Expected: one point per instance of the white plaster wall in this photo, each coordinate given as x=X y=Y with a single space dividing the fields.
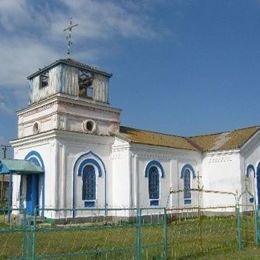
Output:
x=47 y=150
x=131 y=184
x=65 y=113
x=71 y=148
x=250 y=155
x=221 y=172
x=121 y=175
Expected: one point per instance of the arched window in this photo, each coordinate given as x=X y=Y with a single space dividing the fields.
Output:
x=89 y=168
x=153 y=170
x=250 y=181
x=186 y=174
x=187 y=187
x=153 y=186
x=89 y=184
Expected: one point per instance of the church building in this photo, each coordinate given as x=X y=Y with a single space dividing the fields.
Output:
x=89 y=160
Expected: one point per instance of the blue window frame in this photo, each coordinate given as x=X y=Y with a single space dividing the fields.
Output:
x=153 y=186
x=89 y=185
x=187 y=186
x=187 y=173
x=153 y=171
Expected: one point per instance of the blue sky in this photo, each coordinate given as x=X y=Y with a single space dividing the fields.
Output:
x=184 y=67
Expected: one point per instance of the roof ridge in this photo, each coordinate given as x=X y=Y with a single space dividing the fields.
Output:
x=218 y=133
x=154 y=132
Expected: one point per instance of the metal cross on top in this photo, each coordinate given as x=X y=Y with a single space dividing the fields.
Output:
x=69 y=29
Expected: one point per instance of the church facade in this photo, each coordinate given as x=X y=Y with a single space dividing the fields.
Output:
x=90 y=161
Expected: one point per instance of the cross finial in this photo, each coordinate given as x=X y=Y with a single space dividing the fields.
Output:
x=69 y=29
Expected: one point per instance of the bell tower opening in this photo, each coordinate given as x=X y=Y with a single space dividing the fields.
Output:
x=85 y=82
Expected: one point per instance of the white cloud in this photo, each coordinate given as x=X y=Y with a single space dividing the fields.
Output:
x=21 y=57
x=32 y=32
x=104 y=19
x=12 y=13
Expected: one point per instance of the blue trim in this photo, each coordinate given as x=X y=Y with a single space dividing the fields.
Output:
x=92 y=162
x=37 y=156
x=154 y=202
x=153 y=163
x=189 y=167
x=75 y=174
x=250 y=168
x=3 y=168
x=158 y=166
x=187 y=192
x=89 y=204
x=187 y=201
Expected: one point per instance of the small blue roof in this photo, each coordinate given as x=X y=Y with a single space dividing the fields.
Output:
x=21 y=167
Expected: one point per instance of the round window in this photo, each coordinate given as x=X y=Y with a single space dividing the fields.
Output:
x=89 y=126
x=36 y=128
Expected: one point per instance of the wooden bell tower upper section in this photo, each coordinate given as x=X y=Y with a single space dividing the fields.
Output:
x=69 y=77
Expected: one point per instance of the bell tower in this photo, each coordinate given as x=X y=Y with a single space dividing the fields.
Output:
x=69 y=77
x=70 y=96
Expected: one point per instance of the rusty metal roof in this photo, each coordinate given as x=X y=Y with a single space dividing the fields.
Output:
x=211 y=142
x=229 y=140
x=154 y=138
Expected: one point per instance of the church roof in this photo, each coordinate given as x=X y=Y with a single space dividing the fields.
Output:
x=212 y=142
x=72 y=63
x=153 y=138
x=226 y=140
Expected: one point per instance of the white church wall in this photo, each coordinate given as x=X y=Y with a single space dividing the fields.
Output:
x=221 y=172
x=250 y=155
x=60 y=113
x=172 y=161
x=72 y=147
x=121 y=175
x=43 y=115
x=47 y=151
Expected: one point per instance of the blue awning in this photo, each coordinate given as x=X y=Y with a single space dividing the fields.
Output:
x=20 y=167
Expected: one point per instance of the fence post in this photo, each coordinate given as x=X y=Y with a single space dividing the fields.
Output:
x=27 y=246
x=33 y=230
x=25 y=238
x=139 y=235
x=239 y=228
x=165 y=234
x=256 y=225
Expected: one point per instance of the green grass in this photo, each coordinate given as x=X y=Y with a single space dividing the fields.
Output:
x=204 y=238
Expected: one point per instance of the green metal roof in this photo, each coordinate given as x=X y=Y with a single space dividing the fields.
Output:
x=22 y=167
